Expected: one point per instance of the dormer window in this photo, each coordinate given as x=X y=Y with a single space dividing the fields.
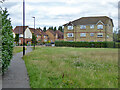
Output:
x=82 y=26
x=100 y=27
x=70 y=27
x=91 y=26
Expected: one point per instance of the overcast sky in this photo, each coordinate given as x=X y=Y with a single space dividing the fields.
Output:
x=58 y=12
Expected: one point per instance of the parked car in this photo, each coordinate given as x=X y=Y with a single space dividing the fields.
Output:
x=52 y=44
x=47 y=44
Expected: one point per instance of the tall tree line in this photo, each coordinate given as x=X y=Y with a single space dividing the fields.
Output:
x=54 y=28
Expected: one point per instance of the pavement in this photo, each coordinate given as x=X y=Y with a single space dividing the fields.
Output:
x=16 y=76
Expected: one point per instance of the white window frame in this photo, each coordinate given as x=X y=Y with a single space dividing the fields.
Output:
x=99 y=34
x=82 y=34
x=91 y=34
x=70 y=27
x=70 y=35
x=92 y=26
x=98 y=26
x=82 y=26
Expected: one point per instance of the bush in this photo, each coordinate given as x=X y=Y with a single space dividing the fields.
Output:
x=7 y=40
x=86 y=44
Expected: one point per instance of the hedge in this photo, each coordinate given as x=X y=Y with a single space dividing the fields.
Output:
x=7 y=40
x=86 y=44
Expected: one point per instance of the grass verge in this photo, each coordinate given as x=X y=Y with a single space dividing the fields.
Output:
x=17 y=49
x=54 y=67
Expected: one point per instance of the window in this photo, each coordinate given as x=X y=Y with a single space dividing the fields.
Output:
x=83 y=35
x=82 y=26
x=45 y=40
x=19 y=41
x=100 y=35
x=21 y=35
x=91 y=34
x=91 y=26
x=100 y=27
x=70 y=34
x=70 y=27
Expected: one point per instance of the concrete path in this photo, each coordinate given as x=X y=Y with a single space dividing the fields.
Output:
x=16 y=76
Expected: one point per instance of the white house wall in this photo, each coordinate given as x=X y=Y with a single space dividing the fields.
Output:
x=13 y=35
x=28 y=33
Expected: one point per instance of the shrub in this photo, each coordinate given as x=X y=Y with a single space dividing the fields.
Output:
x=7 y=40
x=85 y=44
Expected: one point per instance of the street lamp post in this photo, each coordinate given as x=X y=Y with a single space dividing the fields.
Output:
x=34 y=32
x=23 y=27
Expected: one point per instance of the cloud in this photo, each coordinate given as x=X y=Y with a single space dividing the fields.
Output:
x=59 y=12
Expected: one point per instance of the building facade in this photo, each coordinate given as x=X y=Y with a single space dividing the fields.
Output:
x=90 y=29
x=54 y=35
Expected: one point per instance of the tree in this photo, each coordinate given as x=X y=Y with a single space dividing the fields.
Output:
x=39 y=28
x=17 y=38
x=55 y=29
x=7 y=39
x=34 y=39
x=60 y=28
x=2 y=1
x=51 y=28
x=44 y=29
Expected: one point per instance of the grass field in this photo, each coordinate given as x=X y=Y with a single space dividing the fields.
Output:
x=54 y=67
x=17 y=49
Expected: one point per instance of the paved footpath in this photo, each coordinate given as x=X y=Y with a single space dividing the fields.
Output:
x=16 y=76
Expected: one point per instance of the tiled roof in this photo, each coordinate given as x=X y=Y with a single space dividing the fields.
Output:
x=89 y=20
x=19 y=29
x=36 y=31
x=51 y=31
x=60 y=34
x=43 y=33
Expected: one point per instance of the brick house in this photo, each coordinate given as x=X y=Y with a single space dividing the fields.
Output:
x=44 y=36
x=54 y=35
x=51 y=35
x=91 y=29
x=59 y=35
x=28 y=34
x=41 y=35
x=37 y=32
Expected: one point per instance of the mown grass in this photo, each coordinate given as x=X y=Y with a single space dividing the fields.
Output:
x=54 y=67
x=17 y=49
